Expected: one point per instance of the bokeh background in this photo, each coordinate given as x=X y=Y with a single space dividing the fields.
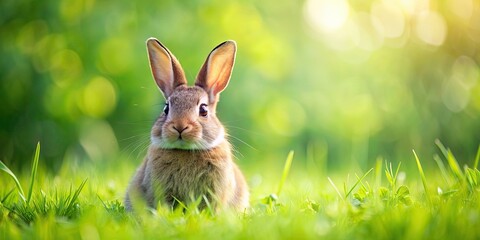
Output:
x=343 y=81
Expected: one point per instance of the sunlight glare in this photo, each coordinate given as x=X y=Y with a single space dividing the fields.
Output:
x=431 y=28
x=391 y=19
x=326 y=15
x=462 y=8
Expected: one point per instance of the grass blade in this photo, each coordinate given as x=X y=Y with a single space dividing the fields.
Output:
x=398 y=170
x=335 y=187
x=358 y=181
x=442 y=148
x=286 y=170
x=6 y=196
x=442 y=168
x=209 y=206
x=453 y=163
x=378 y=172
x=76 y=194
x=34 y=172
x=422 y=175
x=4 y=168
x=477 y=158
x=182 y=205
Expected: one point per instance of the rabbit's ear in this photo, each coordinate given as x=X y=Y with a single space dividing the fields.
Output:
x=166 y=69
x=217 y=69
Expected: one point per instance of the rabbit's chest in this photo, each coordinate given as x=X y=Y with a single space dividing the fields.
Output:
x=186 y=179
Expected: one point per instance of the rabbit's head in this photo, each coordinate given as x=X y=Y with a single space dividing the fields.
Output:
x=189 y=120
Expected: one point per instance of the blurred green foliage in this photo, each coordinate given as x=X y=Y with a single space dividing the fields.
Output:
x=351 y=80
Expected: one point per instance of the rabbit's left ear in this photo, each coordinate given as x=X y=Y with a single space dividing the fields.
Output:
x=217 y=69
x=166 y=69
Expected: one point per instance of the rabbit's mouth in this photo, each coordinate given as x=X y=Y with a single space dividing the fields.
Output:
x=183 y=144
x=177 y=143
x=187 y=143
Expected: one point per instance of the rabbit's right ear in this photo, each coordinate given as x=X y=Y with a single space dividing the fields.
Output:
x=166 y=69
x=217 y=69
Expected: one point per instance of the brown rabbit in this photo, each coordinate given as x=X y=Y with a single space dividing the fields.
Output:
x=189 y=157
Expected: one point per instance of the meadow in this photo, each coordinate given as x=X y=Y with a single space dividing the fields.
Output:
x=384 y=202
x=349 y=119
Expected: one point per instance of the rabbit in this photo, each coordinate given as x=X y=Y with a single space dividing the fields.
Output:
x=189 y=157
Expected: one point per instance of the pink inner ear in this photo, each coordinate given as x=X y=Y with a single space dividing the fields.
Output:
x=161 y=66
x=217 y=69
x=216 y=88
x=166 y=70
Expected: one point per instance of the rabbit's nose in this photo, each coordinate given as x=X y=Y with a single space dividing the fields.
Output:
x=180 y=129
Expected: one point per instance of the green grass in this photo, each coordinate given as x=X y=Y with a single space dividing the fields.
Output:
x=381 y=203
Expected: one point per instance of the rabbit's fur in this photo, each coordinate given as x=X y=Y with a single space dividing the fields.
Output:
x=189 y=157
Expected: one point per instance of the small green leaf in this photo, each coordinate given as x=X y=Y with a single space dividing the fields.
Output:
x=270 y=199
x=383 y=192
x=361 y=195
x=315 y=206
x=312 y=205
x=402 y=191
x=407 y=200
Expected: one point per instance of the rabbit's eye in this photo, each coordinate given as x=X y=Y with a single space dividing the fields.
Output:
x=166 y=108
x=203 y=111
